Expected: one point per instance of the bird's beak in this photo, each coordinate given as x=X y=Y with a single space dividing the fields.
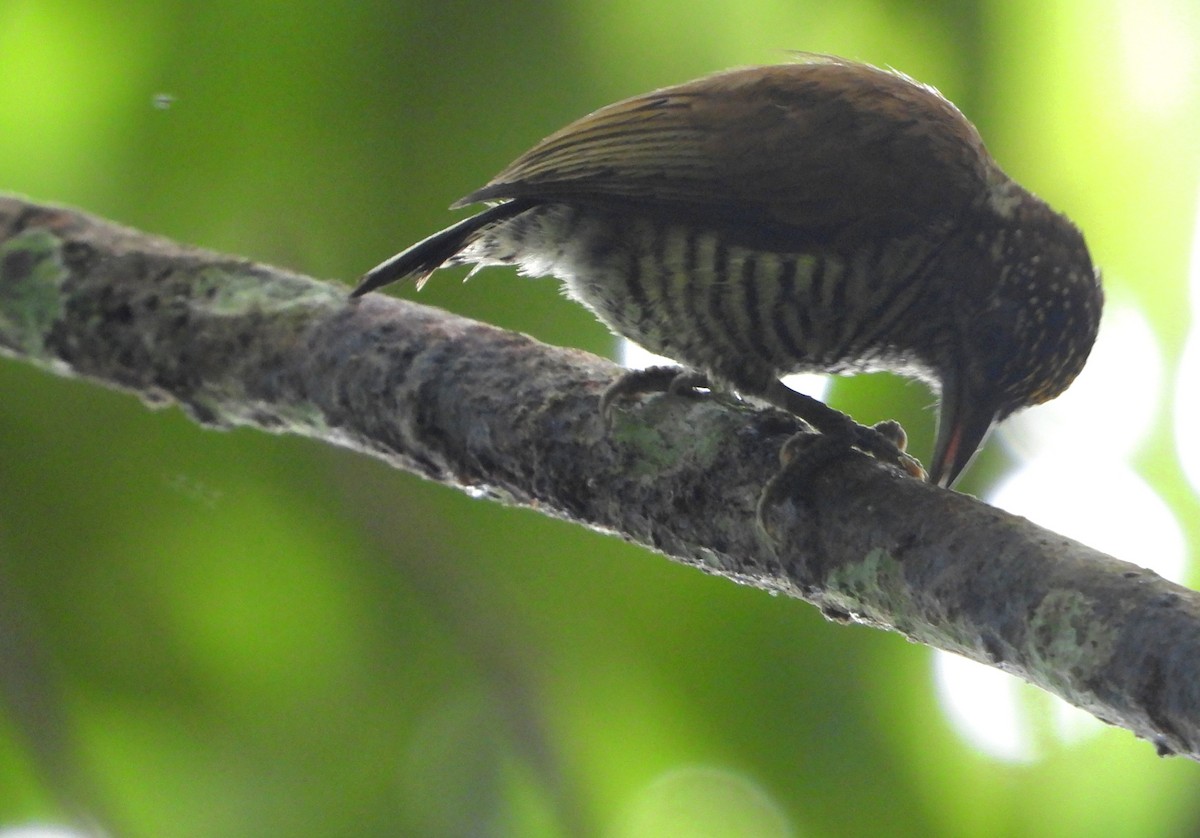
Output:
x=963 y=425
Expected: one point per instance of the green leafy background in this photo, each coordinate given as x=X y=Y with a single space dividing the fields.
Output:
x=232 y=634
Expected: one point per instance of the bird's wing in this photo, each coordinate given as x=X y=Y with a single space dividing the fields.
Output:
x=820 y=147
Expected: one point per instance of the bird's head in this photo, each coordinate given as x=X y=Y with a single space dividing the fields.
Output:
x=1026 y=324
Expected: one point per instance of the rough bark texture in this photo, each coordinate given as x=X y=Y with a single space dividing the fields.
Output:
x=500 y=415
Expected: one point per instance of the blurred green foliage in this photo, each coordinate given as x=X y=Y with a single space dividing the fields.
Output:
x=236 y=634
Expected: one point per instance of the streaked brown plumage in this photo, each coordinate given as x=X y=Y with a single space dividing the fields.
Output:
x=817 y=216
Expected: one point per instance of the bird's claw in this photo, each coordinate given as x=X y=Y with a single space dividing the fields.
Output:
x=893 y=432
x=676 y=381
x=886 y=441
x=805 y=453
x=801 y=455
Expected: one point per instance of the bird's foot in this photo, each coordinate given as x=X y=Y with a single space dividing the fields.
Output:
x=802 y=455
x=886 y=441
x=676 y=381
x=806 y=453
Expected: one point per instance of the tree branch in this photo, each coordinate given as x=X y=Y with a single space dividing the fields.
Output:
x=498 y=414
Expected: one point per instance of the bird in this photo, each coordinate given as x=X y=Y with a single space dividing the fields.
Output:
x=820 y=215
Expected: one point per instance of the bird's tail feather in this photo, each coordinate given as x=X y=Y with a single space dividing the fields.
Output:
x=427 y=255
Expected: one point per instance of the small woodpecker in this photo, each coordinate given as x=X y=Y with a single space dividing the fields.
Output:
x=820 y=216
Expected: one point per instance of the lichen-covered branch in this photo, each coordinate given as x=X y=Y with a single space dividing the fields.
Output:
x=237 y=343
